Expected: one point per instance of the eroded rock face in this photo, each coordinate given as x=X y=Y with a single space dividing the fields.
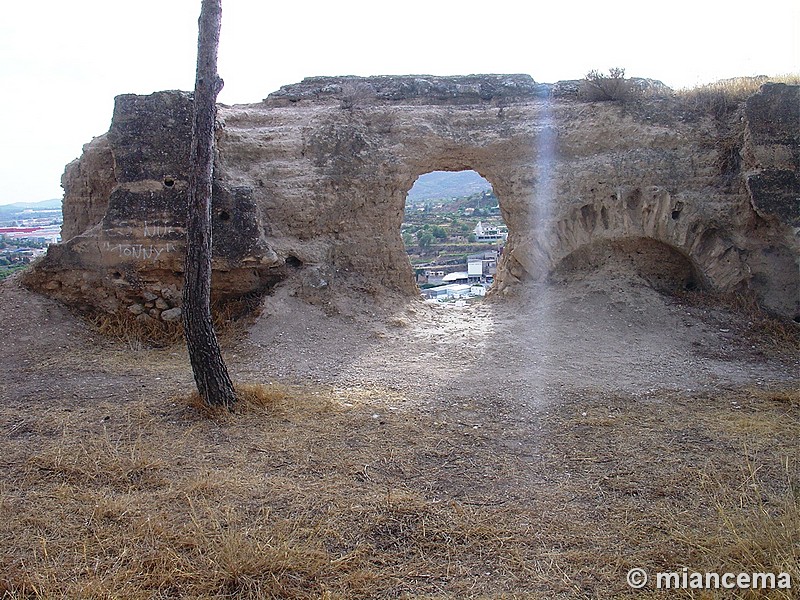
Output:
x=311 y=186
x=772 y=153
x=125 y=214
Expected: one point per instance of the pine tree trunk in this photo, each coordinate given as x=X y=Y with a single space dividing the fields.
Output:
x=210 y=373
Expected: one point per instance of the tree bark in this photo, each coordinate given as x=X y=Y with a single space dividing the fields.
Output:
x=210 y=373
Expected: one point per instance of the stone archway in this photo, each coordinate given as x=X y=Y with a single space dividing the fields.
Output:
x=451 y=217
x=508 y=169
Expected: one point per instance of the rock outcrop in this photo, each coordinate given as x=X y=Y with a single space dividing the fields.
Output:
x=311 y=185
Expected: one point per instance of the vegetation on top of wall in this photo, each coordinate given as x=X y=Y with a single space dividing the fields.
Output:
x=599 y=87
x=723 y=96
x=718 y=99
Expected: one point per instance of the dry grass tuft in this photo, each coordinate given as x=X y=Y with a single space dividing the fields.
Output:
x=99 y=460
x=757 y=525
x=275 y=399
x=782 y=333
x=789 y=397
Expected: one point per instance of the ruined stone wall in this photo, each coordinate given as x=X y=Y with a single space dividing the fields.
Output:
x=310 y=188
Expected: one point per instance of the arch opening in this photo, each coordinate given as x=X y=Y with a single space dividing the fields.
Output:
x=643 y=260
x=454 y=235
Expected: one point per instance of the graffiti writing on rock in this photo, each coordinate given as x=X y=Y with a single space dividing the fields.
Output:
x=145 y=251
x=140 y=251
x=151 y=230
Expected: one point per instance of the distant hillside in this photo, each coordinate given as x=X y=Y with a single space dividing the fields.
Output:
x=20 y=206
x=447 y=184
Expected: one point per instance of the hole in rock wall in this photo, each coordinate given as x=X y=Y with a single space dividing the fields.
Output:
x=676 y=211
x=293 y=262
x=454 y=234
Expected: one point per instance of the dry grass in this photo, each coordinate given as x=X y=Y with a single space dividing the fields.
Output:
x=300 y=495
x=275 y=399
x=756 y=499
x=775 y=336
x=229 y=322
x=721 y=97
x=758 y=525
x=136 y=334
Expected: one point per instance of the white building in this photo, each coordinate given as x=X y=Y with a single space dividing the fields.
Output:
x=490 y=234
x=482 y=267
x=457 y=277
x=448 y=292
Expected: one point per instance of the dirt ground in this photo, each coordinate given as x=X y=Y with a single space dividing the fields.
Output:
x=539 y=446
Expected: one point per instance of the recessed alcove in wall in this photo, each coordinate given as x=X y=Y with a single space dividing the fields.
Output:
x=652 y=262
x=454 y=234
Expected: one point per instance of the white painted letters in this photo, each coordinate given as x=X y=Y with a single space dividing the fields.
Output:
x=145 y=251
x=157 y=230
x=140 y=251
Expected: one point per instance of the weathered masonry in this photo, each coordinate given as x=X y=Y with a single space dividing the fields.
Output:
x=311 y=185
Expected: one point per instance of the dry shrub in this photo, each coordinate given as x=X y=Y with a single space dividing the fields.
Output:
x=355 y=94
x=599 y=87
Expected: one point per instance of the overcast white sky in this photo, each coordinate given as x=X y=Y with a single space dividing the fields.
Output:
x=62 y=62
